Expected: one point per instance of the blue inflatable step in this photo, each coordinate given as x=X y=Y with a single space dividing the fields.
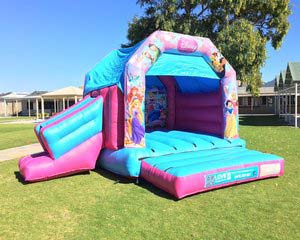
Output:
x=183 y=174
x=127 y=161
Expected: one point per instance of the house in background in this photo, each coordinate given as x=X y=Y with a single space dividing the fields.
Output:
x=287 y=93
x=29 y=105
x=59 y=100
x=276 y=97
x=263 y=104
x=11 y=103
x=39 y=103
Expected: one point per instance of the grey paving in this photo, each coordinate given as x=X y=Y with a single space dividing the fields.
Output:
x=18 y=152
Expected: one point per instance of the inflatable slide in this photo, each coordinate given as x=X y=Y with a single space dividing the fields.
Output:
x=71 y=140
x=165 y=110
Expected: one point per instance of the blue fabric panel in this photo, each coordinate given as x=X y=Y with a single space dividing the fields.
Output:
x=192 y=138
x=181 y=65
x=173 y=143
x=154 y=82
x=110 y=70
x=61 y=115
x=200 y=140
x=197 y=84
x=126 y=161
x=237 y=142
x=181 y=159
x=185 y=164
x=71 y=132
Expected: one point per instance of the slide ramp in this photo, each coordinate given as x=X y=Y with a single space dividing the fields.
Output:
x=72 y=141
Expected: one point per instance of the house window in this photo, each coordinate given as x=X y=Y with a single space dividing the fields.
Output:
x=242 y=101
x=31 y=106
x=257 y=101
x=49 y=105
x=249 y=101
x=270 y=101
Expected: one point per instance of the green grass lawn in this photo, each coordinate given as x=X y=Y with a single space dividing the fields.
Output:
x=14 y=135
x=10 y=119
x=101 y=205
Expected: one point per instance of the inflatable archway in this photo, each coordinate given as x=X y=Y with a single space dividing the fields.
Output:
x=176 y=45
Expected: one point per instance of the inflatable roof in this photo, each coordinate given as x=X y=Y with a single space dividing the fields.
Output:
x=193 y=63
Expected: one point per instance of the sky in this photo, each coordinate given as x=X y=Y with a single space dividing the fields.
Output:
x=50 y=44
x=290 y=49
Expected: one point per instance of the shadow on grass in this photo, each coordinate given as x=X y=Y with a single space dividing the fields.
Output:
x=20 y=178
x=155 y=190
x=114 y=177
x=261 y=121
x=142 y=183
x=118 y=179
x=161 y=193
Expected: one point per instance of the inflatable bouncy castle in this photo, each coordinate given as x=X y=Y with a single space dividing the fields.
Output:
x=165 y=110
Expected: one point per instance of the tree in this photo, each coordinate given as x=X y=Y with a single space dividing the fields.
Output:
x=239 y=28
x=245 y=49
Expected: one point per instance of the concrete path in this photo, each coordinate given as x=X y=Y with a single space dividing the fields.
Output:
x=18 y=152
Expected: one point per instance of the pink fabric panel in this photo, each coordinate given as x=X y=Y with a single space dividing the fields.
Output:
x=169 y=83
x=199 y=112
x=159 y=178
x=198 y=100
x=113 y=116
x=195 y=183
x=202 y=127
x=205 y=114
x=61 y=120
x=115 y=126
x=183 y=186
x=104 y=92
x=39 y=167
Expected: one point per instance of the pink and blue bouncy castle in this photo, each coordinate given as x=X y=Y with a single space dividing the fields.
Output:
x=165 y=110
